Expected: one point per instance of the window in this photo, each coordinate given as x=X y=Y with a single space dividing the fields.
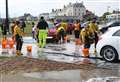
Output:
x=75 y=14
x=50 y=25
x=117 y=33
x=75 y=10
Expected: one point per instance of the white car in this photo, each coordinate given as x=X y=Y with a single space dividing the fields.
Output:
x=109 y=44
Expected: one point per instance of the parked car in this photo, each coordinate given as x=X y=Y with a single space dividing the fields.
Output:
x=104 y=28
x=109 y=44
x=52 y=36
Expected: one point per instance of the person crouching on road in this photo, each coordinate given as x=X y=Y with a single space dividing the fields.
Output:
x=42 y=35
x=61 y=33
x=85 y=38
x=18 y=38
x=94 y=31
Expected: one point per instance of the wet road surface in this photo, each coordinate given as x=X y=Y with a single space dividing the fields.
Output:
x=66 y=53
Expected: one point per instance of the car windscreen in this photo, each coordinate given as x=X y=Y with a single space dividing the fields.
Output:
x=110 y=23
x=117 y=33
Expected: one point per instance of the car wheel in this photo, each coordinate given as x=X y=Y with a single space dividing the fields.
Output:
x=109 y=54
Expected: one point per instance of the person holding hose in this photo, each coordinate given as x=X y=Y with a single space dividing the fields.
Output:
x=18 y=38
x=42 y=34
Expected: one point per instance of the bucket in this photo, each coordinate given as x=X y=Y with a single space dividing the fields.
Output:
x=4 y=43
x=85 y=52
x=29 y=48
x=11 y=43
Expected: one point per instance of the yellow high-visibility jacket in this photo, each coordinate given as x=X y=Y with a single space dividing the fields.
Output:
x=64 y=25
x=84 y=34
x=93 y=27
x=58 y=30
x=18 y=31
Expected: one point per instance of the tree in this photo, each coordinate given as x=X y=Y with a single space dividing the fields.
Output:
x=105 y=14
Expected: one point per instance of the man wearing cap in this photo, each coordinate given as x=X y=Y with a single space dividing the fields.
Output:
x=42 y=35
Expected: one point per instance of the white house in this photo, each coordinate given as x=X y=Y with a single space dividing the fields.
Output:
x=115 y=16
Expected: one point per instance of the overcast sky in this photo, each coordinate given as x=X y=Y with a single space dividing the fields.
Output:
x=35 y=7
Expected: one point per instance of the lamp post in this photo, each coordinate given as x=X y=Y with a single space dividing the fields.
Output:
x=108 y=7
x=7 y=19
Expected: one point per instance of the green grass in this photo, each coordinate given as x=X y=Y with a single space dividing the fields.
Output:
x=3 y=57
x=28 y=30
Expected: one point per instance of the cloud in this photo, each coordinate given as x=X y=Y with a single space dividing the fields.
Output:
x=35 y=7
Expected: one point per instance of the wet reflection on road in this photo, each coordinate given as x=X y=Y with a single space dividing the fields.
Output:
x=67 y=53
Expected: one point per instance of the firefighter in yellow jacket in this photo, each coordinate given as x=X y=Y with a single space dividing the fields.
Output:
x=84 y=35
x=61 y=33
x=18 y=38
x=93 y=27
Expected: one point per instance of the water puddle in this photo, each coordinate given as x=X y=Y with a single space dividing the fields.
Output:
x=75 y=76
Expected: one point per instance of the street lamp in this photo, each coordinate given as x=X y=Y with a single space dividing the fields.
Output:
x=7 y=19
x=108 y=7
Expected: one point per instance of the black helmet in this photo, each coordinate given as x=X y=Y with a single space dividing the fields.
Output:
x=42 y=17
